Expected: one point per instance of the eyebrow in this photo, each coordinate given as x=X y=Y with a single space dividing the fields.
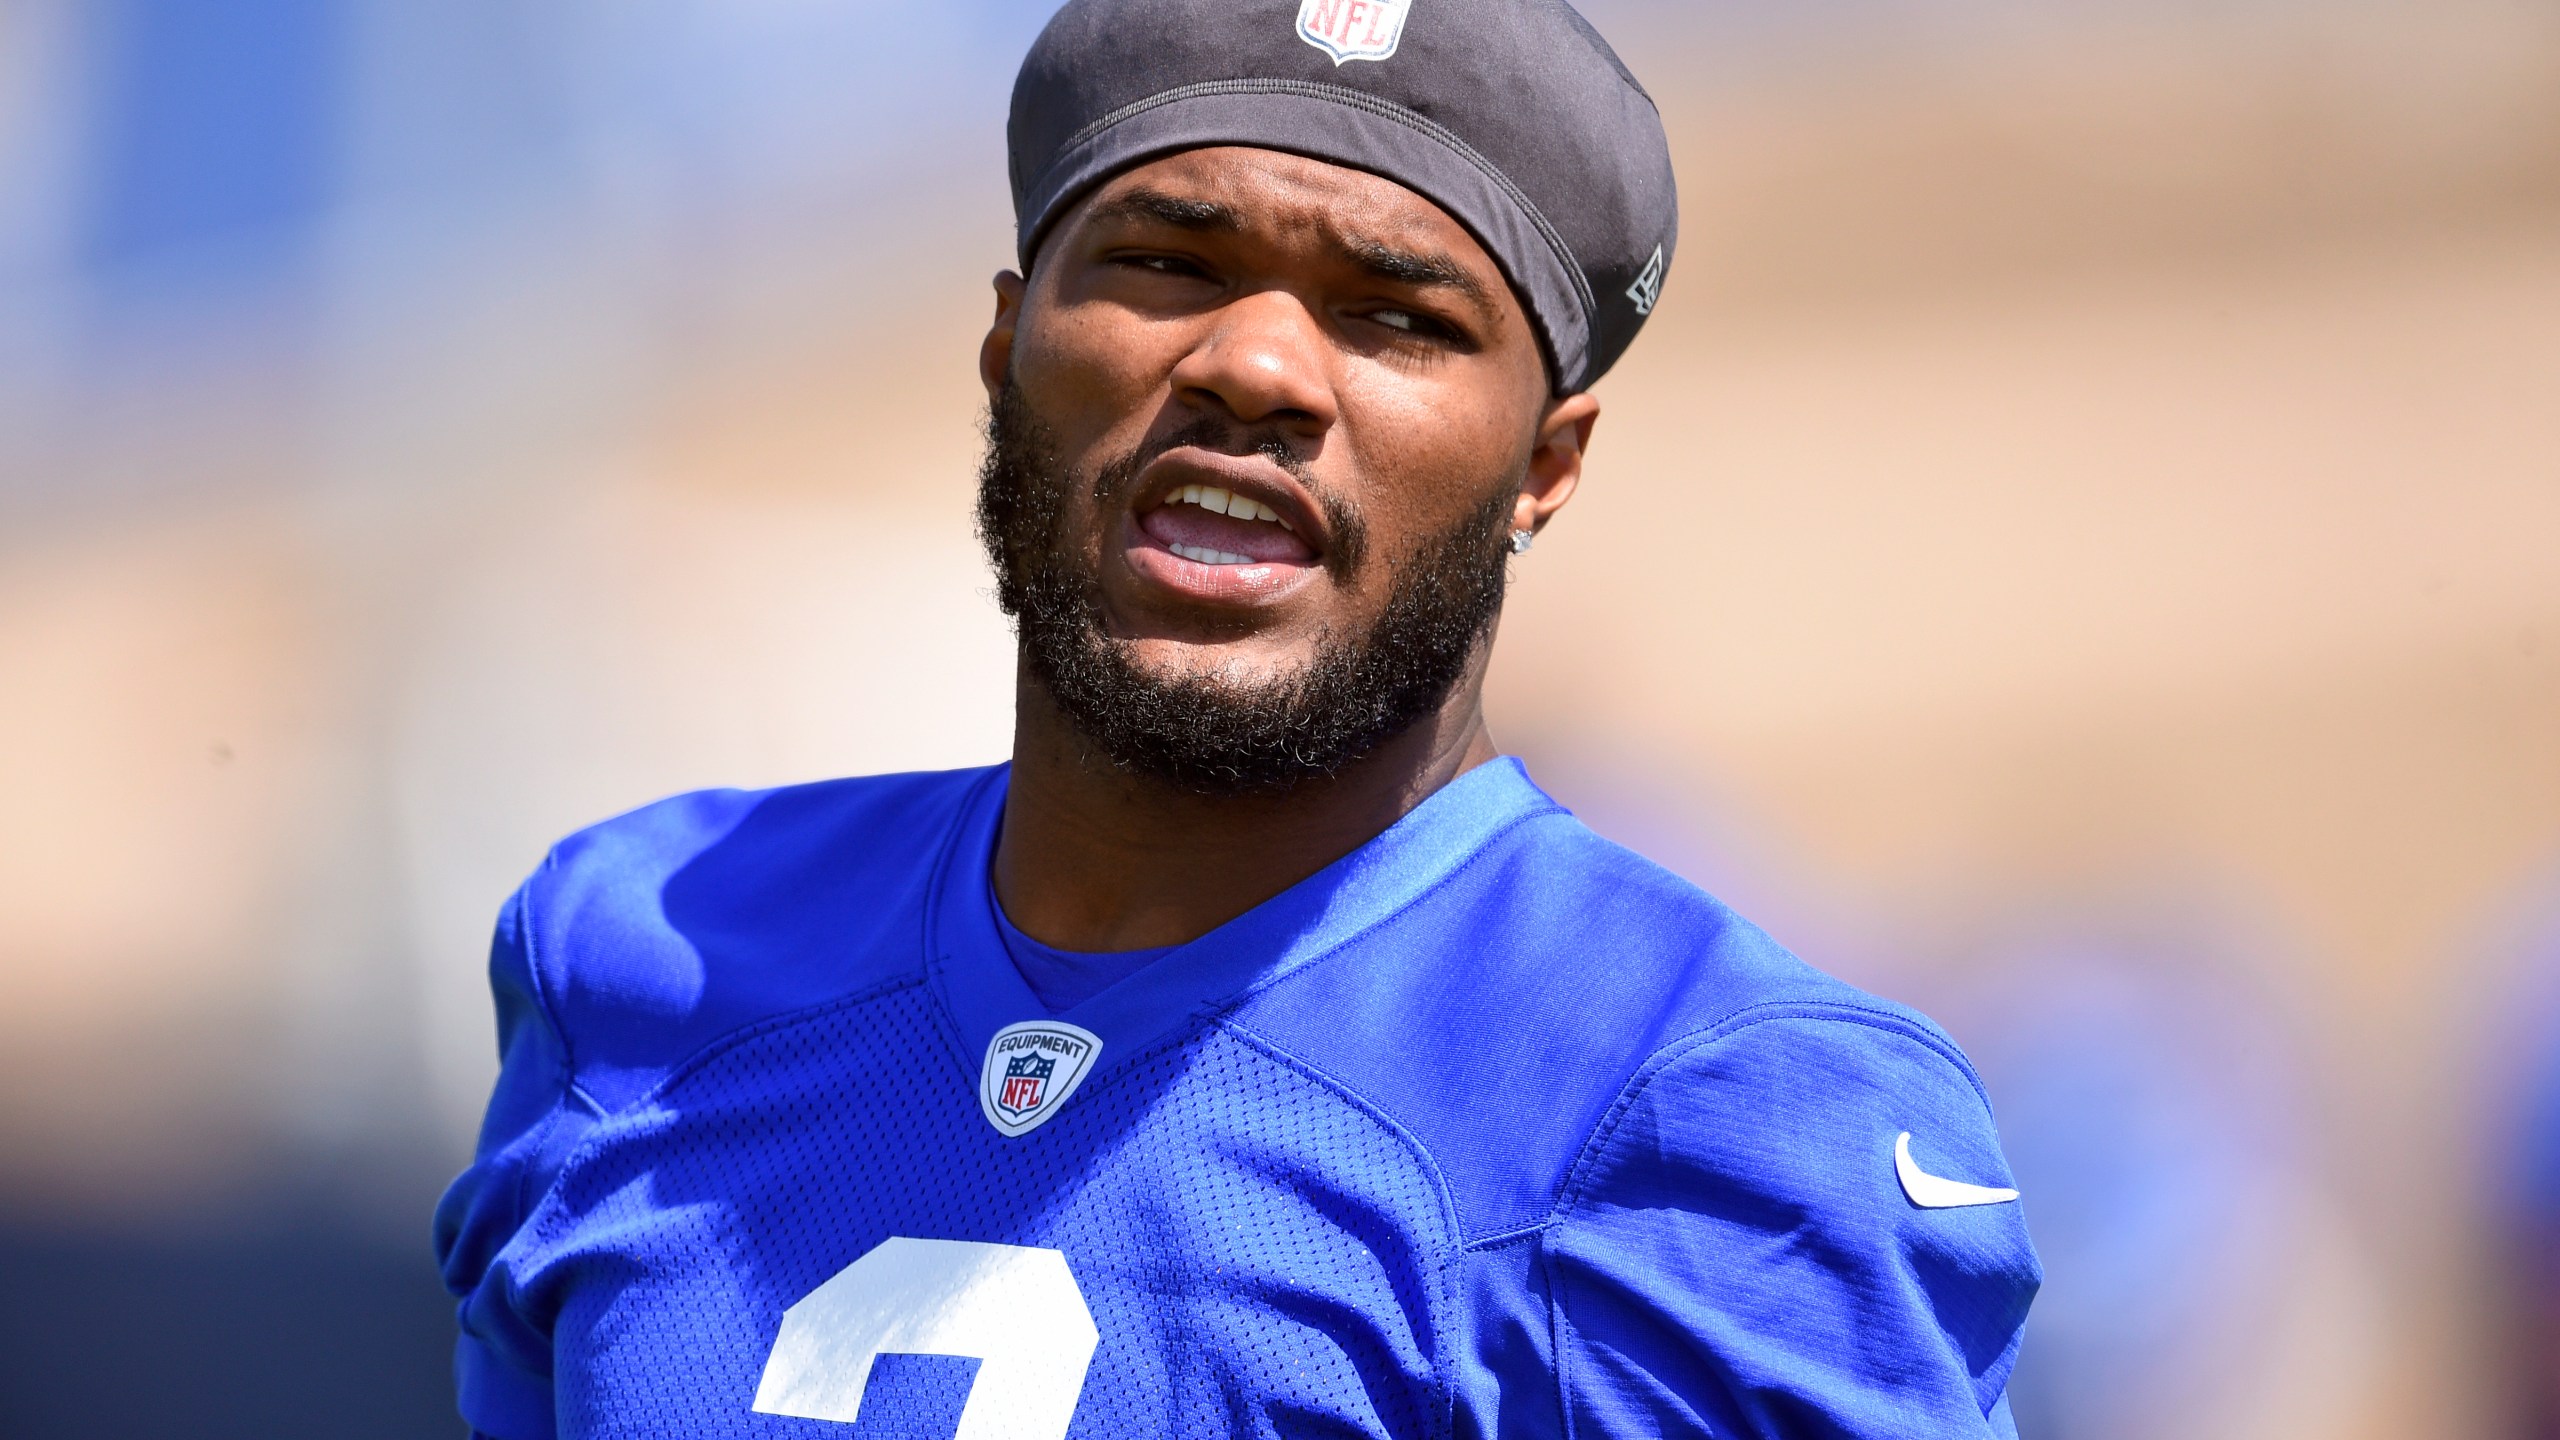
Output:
x=1164 y=209
x=1414 y=267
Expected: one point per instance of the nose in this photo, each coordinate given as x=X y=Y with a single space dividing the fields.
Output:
x=1263 y=362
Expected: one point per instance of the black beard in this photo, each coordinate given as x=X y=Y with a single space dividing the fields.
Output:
x=1210 y=734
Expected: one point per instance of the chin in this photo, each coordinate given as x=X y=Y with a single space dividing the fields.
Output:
x=1247 y=663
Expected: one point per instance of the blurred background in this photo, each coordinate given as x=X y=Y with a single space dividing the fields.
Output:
x=2078 y=549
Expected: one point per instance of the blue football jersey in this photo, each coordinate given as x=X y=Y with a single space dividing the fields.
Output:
x=1490 y=1128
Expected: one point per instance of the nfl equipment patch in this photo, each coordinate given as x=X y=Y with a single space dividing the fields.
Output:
x=1353 y=29
x=1030 y=1071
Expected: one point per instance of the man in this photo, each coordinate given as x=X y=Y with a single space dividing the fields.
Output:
x=1258 y=1053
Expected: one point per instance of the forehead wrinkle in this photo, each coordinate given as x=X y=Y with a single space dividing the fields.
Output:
x=1306 y=210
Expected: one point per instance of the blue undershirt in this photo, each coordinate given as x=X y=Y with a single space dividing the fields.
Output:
x=1064 y=979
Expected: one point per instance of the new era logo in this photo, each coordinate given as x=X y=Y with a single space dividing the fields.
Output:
x=1353 y=29
x=1648 y=286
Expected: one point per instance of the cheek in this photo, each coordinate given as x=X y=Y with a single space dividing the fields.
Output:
x=1431 y=452
x=1094 y=374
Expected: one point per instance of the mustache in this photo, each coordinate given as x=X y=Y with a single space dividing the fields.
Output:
x=1349 y=531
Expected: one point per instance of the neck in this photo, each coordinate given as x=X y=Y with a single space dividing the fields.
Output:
x=1094 y=858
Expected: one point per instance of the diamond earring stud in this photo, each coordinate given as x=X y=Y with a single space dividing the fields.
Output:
x=1521 y=540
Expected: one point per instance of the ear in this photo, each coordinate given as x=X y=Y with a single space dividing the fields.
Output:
x=1555 y=464
x=995 y=353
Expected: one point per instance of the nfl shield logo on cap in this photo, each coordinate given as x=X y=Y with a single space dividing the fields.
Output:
x=1030 y=1071
x=1353 y=29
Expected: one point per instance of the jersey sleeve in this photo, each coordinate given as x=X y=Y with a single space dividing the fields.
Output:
x=536 y=1115
x=1736 y=1253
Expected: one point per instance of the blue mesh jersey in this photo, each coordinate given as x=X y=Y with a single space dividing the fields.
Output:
x=1488 y=1128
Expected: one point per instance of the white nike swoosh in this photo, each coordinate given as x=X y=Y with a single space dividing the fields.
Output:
x=1935 y=1192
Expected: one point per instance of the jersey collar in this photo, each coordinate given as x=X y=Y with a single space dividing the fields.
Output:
x=978 y=985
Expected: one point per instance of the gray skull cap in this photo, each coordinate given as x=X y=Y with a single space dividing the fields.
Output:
x=1514 y=116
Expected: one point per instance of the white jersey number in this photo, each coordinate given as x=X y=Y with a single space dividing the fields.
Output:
x=1014 y=1309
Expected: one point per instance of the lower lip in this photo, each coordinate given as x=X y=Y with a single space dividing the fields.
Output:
x=1256 y=584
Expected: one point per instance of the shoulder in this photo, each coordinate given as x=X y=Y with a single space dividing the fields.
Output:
x=649 y=935
x=1796 y=1222
x=635 y=944
x=1516 y=1012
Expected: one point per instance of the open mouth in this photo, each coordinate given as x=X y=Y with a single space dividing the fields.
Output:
x=1223 y=529
x=1212 y=525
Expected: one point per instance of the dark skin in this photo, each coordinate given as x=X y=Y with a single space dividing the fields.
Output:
x=1364 y=327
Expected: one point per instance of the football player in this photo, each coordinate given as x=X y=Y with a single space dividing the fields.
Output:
x=1259 y=1052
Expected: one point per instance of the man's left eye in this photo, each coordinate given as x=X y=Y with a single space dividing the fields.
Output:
x=1412 y=323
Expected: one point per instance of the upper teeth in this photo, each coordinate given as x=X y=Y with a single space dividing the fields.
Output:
x=1227 y=502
